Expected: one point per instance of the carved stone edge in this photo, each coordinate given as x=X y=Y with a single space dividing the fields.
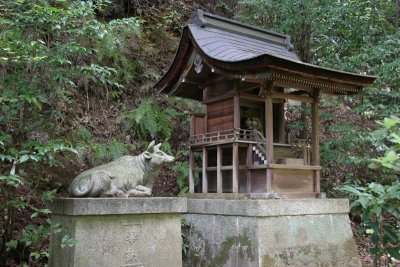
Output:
x=117 y=206
x=268 y=207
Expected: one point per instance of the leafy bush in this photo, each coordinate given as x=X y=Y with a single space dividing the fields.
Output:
x=379 y=205
x=149 y=119
x=18 y=162
x=109 y=151
x=54 y=55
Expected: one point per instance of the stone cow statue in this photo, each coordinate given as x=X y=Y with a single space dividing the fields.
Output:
x=124 y=177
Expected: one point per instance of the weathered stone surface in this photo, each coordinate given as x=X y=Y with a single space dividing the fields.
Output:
x=124 y=232
x=222 y=240
x=110 y=206
x=306 y=232
x=270 y=207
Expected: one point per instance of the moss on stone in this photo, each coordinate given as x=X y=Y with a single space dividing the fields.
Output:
x=268 y=261
x=205 y=257
x=241 y=241
x=350 y=249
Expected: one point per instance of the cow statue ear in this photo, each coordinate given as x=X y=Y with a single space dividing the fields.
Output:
x=157 y=147
x=147 y=155
x=150 y=148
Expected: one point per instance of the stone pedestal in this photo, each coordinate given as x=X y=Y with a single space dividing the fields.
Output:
x=118 y=232
x=273 y=233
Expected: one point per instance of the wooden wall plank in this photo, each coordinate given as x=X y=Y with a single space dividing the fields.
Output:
x=220 y=115
x=299 y=181
x=197 y=125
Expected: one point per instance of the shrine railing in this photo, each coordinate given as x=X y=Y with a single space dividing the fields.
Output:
x=260 y=141
x=231 y=135
x=297 y=150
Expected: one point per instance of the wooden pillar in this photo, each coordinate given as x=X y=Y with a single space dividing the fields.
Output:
x=219 y=171
x=235 y=148
x=249 y=161
x=204 y=172
x=191 y=177
x=315 y=126
x=236 y=112
x=282 y=132
x=205 y=121
x=269 y=134
x=235 y=168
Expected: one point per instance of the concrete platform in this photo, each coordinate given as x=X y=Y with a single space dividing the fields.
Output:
x=118 y=232
x=270 y=233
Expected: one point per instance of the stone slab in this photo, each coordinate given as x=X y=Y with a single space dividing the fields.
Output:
x=114 y=206
x=268 y=207
x=270 y=233
x=123 y=232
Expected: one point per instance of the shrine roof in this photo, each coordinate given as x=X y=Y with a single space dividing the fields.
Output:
x=240 y=51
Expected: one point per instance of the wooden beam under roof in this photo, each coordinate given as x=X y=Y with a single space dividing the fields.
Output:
x=290 y=96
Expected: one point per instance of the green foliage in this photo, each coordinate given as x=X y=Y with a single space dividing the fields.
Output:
x=58 y=60
x=33 y=235
x=353 y=140
x=182 y=169
x=379 y=205
x=68 y=241
x=185 y=227
x=109 y=151
x=44 y=49
x=51 y=54
x=150 y=120
x=388 y=140
x=356 y=36
x=172 y=20
x=99 y=153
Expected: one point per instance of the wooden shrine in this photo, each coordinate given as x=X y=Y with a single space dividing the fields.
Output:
x=243 y=76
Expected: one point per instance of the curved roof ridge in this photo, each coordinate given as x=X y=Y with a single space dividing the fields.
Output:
x=212 y=40
x=204 y=19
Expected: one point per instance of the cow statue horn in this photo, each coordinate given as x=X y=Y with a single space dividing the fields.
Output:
x=150 y=148
x=157 y=147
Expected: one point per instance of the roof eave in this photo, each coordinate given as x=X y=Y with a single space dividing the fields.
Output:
x=173 y=73
x=270 y=62
x=258 y=64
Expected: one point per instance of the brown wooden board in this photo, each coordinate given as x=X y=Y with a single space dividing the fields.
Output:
x=220 y=115
x=293 y=180
x=281 y=152
x=197 y=124
x=216 y=109
x=219 y=88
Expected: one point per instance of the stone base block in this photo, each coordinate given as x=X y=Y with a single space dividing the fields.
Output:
x=118 y=232
x=270 y=233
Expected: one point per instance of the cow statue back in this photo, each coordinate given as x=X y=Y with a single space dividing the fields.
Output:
x=128 y=176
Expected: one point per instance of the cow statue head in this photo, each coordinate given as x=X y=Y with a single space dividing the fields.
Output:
x=155 y=156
